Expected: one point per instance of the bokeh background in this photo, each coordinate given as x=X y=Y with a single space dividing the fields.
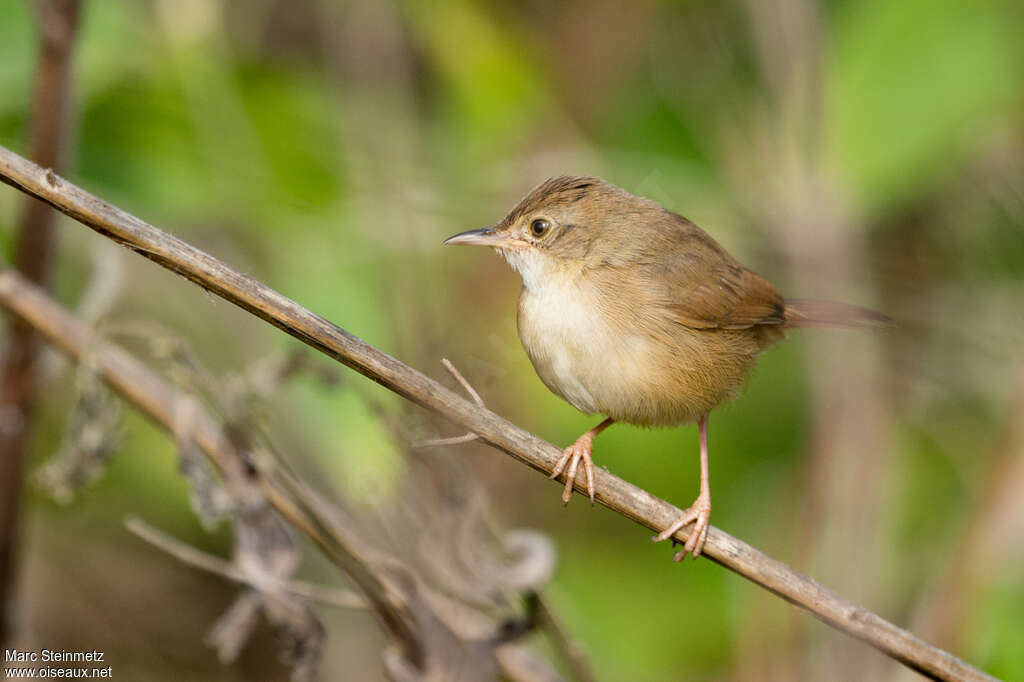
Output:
x=867 y=151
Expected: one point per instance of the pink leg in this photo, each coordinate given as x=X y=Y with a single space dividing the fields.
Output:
x=699 y=512
x=573 y=454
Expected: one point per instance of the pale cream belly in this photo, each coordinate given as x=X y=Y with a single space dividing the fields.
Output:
x=630 y=375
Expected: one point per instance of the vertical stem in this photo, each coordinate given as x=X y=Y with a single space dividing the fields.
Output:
x=34 y=255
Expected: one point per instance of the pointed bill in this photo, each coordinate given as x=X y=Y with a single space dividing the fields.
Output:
x=485 y=236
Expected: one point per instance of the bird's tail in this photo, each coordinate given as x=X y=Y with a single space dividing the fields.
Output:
x=809 y=313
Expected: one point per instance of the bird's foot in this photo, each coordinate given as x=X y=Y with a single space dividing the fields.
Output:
x=699 y=515
x=580 y=450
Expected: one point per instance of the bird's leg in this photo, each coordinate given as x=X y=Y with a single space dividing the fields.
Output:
x=700 y=511
x=572 y=456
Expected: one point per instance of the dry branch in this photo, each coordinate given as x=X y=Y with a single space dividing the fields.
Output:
x=35 y=247
x=614 y=493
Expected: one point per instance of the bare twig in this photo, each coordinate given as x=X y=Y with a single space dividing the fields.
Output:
x=454 y=440
x=462 y=380
x=616 y=494
x=187 y=554
x=468 y=437
x=35 y=247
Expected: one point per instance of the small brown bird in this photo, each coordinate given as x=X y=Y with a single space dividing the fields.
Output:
x=631 y=311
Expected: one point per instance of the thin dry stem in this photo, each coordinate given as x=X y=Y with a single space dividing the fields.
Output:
x=187 y=554
x=35 y=249
x=468 y=437
x=462 y=380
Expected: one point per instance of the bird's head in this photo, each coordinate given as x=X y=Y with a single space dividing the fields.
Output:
x=563 y=225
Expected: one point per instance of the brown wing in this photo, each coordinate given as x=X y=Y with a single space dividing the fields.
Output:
x=727 y=299
x=703 y=287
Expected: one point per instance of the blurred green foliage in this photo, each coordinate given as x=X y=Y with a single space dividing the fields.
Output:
x=328 y=147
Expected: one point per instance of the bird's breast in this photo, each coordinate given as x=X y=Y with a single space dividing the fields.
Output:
x=627 y=366
x=563 y=336
x=582 y=355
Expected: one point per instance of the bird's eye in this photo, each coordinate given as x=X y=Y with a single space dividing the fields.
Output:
x=539 y=227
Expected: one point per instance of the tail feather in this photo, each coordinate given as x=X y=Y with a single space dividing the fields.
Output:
x=809 y=313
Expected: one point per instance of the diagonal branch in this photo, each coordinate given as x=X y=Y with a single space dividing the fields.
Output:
x=613 y=492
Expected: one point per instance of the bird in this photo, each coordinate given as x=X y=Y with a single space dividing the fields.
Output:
x=633 y=312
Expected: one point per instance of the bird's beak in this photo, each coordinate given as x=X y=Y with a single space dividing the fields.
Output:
x=486 y=236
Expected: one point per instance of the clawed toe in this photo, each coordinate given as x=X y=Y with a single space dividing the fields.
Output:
x=699 y=515
x=572 y=456
x=688 y=517
x=695 y=544
x=566 y=454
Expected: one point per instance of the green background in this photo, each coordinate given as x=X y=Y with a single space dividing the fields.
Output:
x=870 y=151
